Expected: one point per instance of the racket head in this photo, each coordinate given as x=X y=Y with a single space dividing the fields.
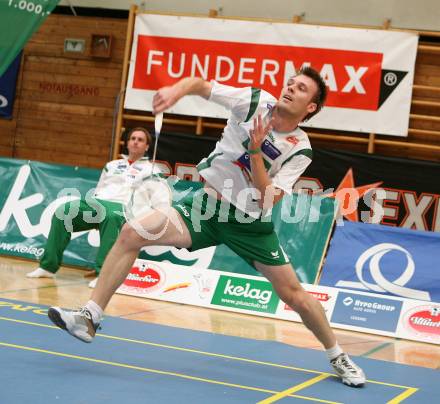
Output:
x=152 y=195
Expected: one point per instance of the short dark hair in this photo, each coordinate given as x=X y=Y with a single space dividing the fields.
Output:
x=140 y=129
x=321 y=94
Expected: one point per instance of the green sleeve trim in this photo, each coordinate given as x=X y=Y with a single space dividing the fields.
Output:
x=304 y=152
x=208 y=162
x=255 y=98
x=155 y=175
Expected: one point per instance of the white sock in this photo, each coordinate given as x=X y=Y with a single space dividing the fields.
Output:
x=95 y=311
x=40 y=273
x=334 y=352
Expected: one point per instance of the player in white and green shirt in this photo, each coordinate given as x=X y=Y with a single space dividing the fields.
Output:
x=260 y=156
x=227 y=170
x=286 y=154
x=113 y=191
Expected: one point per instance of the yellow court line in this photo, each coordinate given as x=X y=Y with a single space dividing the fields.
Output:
x=176 y=348
x=293 y=389
x=403 y=396
x=149 y=370
x=320 y=400
x=236 y=358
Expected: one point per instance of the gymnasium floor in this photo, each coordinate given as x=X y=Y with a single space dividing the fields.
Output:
x=158 y=352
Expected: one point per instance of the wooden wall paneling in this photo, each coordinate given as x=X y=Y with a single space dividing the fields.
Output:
x=117 y=140
x=63 y=129
x=67 y=143
x=68 y=100
x=7 y=134
x=72 y=159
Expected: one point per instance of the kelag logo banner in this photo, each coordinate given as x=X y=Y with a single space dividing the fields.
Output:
x=245 y=294
x=29 y=199
x=383 y=259
x=369 y=73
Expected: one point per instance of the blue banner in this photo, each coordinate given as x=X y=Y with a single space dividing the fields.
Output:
x=386 y=260
x=8 y=83
x=367 y=311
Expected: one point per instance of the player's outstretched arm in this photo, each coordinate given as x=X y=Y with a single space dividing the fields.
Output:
x=166 y=97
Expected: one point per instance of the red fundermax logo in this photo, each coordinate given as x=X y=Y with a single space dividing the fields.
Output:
x=147 y=277
x=354 y=78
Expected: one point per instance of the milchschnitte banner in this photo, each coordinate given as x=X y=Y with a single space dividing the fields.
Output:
x=369 y=73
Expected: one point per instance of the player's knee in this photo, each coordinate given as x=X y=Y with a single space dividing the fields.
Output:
x=129 y=239
x=297 y=298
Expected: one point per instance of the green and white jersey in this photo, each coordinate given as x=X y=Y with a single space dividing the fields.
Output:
x=227 y=168
x=119 y=177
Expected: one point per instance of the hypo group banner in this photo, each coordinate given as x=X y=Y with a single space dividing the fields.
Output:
x=19 y=19
x=7 y=87
x=385 y=260
x=369 y=73
x=31 y=194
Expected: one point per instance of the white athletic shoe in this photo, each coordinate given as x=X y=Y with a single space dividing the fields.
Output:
x=40 y=273
x=348 y=371
x=78 y=323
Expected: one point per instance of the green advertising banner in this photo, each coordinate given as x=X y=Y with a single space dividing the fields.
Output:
x=19 y=19
x=245 y=294
x=31 y=192
x=28 y=200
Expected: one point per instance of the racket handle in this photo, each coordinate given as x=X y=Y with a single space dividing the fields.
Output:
x=158 y=123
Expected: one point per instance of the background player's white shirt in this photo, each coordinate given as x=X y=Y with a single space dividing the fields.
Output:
x=119 y=177
x=227 y=168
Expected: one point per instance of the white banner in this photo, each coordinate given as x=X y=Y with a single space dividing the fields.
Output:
x=349 y=310
x=369 y=73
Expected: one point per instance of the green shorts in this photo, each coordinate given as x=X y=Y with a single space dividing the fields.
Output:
x=212 y=222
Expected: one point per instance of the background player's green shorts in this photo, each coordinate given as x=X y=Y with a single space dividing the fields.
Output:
x=211 y=224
